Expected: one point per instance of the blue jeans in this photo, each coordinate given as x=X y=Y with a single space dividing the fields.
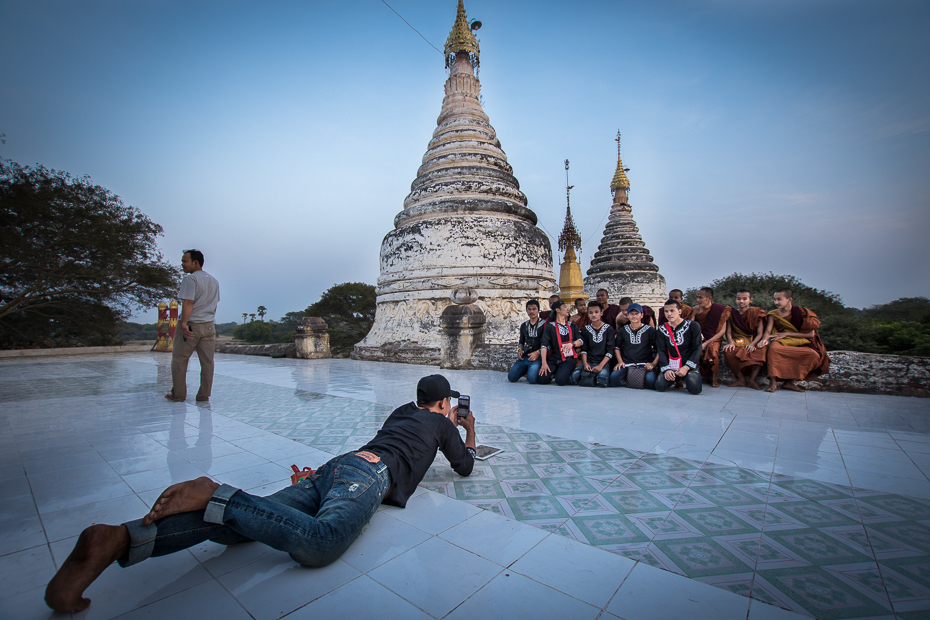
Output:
x=618 y=378
x=692 y=382
x=523 y=366
x=600 y=381
x=559 y=371
x=314 y=521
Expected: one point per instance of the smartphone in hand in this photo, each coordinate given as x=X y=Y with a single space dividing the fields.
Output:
x=464 y=405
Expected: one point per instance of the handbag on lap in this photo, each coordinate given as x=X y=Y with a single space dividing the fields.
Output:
x=636 y=376
x=587 y=379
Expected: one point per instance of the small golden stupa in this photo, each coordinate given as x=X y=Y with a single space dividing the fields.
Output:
x=571 y=282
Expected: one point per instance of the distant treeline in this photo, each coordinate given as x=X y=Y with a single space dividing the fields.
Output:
x=128 y=331
x=347 y=308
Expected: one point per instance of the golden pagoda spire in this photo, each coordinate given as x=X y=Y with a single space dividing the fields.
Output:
x=569 y=237
x=461 y=38
x=571 y=282
x=620 y=181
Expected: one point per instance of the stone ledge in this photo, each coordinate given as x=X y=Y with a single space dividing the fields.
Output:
x=131 y=348
x=493 y=357
x=850 y=371
x=405 y=352
x=287 y=349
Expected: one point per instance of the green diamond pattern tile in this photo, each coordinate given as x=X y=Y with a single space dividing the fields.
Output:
x=610 y=529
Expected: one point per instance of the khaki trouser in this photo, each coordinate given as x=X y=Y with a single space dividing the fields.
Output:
x=204 y=342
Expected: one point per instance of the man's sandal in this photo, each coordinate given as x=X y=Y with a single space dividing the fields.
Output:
x=300 y=474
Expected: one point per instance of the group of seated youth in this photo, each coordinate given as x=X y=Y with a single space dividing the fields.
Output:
x=627 y=344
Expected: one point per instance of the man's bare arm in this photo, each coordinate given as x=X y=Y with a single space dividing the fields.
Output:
x=186 y=311
x=729 y=346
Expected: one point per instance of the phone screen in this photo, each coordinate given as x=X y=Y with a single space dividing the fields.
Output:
x=464 y=405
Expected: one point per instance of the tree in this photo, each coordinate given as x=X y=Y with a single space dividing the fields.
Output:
x=68 y=249
x=251 y=317
x=292 y=319
x=253 y=332
x=904 y=338
x=262 y=311
x=349 y=312
x=245 y=316
x=87 y=324
x=903 y=309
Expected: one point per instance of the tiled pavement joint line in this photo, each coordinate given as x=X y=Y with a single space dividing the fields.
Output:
x=758 y=549
x=729 y=400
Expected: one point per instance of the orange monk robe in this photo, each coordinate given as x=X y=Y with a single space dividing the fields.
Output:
x=741 y=358
x=797 y=358
x=711 y=321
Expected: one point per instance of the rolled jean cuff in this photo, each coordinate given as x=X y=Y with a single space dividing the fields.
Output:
x=217 y=506
x=141 y=542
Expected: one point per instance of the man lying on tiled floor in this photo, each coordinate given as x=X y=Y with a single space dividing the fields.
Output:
x=314 y=521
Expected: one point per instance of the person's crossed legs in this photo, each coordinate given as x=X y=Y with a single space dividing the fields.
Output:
x=314 y=521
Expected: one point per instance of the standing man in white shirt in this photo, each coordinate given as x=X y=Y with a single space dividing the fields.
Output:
x=200 y=292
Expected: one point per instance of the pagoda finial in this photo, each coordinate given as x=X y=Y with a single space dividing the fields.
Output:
x=569 y=237
x=462 y=39
x=620 y=181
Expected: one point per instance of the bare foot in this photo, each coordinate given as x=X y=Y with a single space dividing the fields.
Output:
x=754 y=385
x=182 y=497
x=741 y=382
x=773 y=385
x=97 y=547
x=170 y=396
x=714 y=382
x=791 y=385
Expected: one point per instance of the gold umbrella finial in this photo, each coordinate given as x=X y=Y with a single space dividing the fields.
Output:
x=462 y=39
x=620 y=180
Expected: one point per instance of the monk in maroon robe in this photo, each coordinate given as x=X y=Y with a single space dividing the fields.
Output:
x=712 y=317
x=547 y=313
x=580 y=318
x=677 y=295
x=744 y=333
x=609 y=311
x=647 y=315
x=795 y=351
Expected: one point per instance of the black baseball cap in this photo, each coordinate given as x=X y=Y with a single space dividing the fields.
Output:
x=556 y=305
x=433 y=388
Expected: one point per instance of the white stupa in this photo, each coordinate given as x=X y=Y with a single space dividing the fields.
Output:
x=465 y=225
x=622 y=264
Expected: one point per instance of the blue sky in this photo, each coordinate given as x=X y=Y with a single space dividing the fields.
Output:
x=281 y=138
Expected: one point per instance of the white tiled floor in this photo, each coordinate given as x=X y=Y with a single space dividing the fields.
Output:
x=81 y=445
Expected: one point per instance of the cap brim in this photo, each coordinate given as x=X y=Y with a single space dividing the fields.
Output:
x=454 y=394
